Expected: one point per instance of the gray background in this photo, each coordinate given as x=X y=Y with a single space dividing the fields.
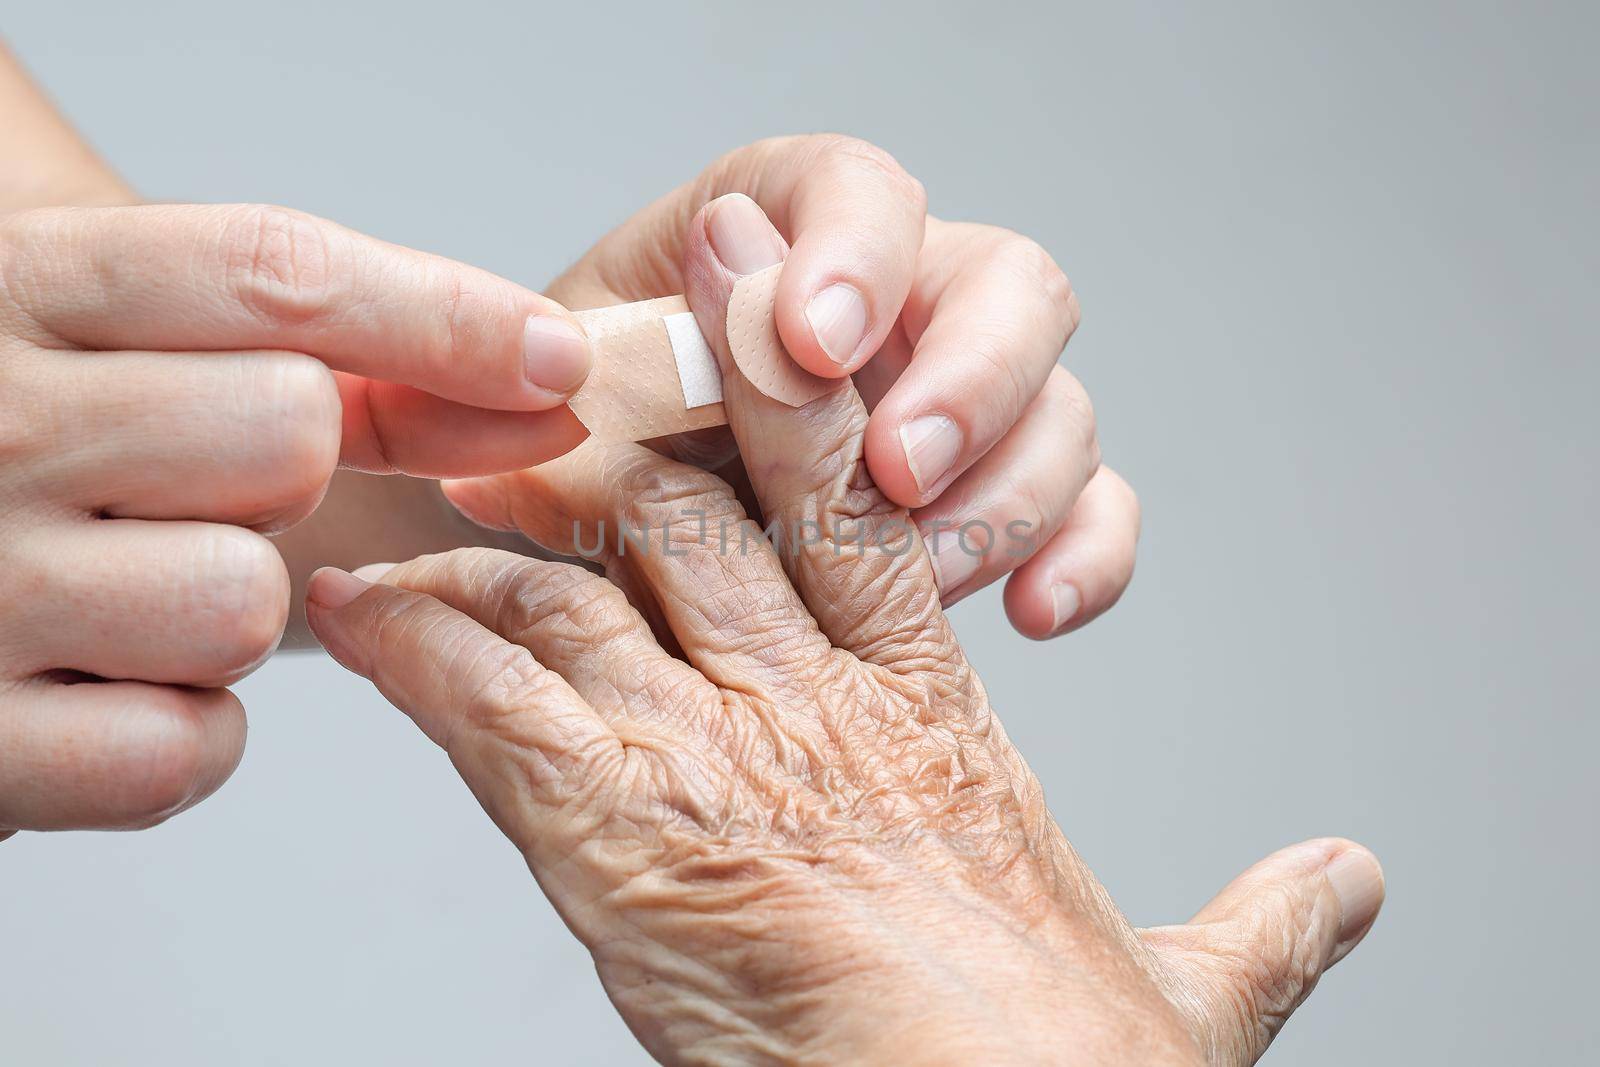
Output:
x=1334 y=266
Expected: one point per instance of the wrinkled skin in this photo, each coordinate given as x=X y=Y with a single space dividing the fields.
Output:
x=966 y=324
x=808 y=839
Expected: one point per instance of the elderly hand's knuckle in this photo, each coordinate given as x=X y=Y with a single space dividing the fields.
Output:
x=279 y=264
x=662 y=494
x=509 y=686
x=560 y=601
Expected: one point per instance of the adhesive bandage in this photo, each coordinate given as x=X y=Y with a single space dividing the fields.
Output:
x=654 y=374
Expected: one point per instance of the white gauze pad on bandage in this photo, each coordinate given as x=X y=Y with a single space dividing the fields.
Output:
x=655 y=375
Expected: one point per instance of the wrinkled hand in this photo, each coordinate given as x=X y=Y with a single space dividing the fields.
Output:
x=974 y=425
x=809 y=839
x=177 y=381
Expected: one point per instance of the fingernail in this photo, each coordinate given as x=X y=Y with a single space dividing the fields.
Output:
x=838 y=318
x=1357 y=881
x=932 y=443
x=955 y=559
x=333 y=588
x=373 y=572
x=555 y=354
x=741 y=236
x=1065 y=601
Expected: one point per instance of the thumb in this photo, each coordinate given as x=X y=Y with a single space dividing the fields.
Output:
x=1241 y=966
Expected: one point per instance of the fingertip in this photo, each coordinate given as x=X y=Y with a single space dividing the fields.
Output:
x=1030 y=611
x=1356 y=878
x=481 y=500
x=331 y=588
x=556 y=356
x=373 y=573
x=824 y=319
x=886 y=460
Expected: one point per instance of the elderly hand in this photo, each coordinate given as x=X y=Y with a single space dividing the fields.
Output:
x=808 y=839
x=973 y=424
x=176 y=381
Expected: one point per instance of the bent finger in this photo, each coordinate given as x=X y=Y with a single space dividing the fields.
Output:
x=187 y=603
x=248 y=438
x=112 y=755
x=986 y=335
x=856 y=221
x=1085 y=568
x=998 y=514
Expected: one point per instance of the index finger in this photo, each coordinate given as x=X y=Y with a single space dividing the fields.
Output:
x=231 y=277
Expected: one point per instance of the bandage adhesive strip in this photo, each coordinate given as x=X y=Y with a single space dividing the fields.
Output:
x=654 y=375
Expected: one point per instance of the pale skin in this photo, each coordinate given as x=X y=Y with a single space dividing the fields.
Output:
x=805 y=837
x=180 y=383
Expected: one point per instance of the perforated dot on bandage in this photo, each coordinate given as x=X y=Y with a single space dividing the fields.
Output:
x=654 y=374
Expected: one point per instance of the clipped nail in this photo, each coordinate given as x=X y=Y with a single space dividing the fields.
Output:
x=838 y=318
x=1065 y=600
x=333 y=588
x=373 y=572
x=932 y=443
x=741 y=236
x=555 y=354
x=955 y=559
x=1357 y=881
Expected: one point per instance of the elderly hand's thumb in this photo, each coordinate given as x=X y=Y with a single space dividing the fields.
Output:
x=1252 y=955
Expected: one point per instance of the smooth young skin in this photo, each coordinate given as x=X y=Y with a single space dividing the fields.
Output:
x=807 y=840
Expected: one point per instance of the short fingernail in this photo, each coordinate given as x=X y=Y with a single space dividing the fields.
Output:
x=955 y=559
x=333 y=588
x=838 y=317
x=555 y=354
x=741 y=236
x=1357 y=881
x=1065 y=600
x=932 y=443
x=373 y=572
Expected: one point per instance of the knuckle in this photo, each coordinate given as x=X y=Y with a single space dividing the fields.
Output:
x=1038 y=270
x=240 y=599
x=279 y=264
x=471 y=317
x=295 y=401
x=500 y=707
x=1068 y=396
x=660 y=493
x=27 y=239
x=995 y=349
x=855 y=152
x=509 y=686
x=562 y=602
x=170 y=766
x=1129 y=496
